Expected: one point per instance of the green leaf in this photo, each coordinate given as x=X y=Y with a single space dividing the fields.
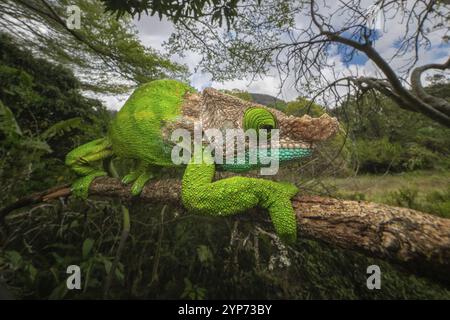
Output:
x=8 y=124
x=14 y=258
x=36 y=145
x=59 y=292
x=61 y=127
x=87 y=247
x=204 y=254
x=32 y=271
x=187 y=284
x=119 y=274
x=108 y=265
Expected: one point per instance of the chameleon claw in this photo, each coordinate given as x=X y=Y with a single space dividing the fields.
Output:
x=136 y=189
x=80 y=188
x=289 y=189
x=129 y=178
x=140 y=182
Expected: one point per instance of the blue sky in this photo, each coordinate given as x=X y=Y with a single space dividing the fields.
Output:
x=357 y=58
x=441 y=50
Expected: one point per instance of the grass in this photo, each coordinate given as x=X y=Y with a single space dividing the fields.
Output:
x=427 y=191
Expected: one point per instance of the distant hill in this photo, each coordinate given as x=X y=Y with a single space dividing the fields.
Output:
x=269 y=100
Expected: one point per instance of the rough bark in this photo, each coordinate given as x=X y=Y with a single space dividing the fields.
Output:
x=417 y=241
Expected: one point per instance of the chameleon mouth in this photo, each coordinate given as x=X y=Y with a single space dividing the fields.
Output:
x=294 y=145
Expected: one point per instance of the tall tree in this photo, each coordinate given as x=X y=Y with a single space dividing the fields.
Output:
x=41 y=93
x=43 y=116
x=105 y=52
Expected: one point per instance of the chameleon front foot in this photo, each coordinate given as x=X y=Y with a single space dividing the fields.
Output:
x=80 y=188
x=202 y=195
x=281 y=212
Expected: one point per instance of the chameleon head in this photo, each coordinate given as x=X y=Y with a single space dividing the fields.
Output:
x=297 y=135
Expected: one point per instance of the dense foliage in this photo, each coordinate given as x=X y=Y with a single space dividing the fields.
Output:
x=218 y=10
x=43 y=117
x=389 y=139
x=105 y=53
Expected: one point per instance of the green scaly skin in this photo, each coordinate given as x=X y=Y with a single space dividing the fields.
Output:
x=136 y=133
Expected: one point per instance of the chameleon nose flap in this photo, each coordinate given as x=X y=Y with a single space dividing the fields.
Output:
x=314 y=129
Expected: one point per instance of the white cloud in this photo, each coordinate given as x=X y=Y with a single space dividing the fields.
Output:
x=154 y=32
x=267 y=85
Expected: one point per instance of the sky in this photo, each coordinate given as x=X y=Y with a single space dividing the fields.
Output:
x=153 y=33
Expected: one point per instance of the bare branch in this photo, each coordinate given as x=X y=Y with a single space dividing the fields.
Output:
x=416 y=83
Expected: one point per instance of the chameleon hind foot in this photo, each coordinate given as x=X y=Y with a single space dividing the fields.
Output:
x=131 y=177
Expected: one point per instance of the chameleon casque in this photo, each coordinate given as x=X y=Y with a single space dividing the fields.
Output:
x=142 y=130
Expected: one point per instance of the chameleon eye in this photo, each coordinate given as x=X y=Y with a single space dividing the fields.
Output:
x=259 y=118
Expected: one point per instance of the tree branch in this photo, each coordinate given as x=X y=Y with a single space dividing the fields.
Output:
x=417 y=241
x=435 y=108
x=416 y=84
x=382 y=86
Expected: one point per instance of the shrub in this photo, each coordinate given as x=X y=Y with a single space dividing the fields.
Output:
x=377 y=156
x=405 y=197
x=417 y=157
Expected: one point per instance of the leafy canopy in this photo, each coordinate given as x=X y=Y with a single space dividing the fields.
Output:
x=105 y=52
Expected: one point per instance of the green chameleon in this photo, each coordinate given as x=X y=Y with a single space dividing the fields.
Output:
x=142 y=131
